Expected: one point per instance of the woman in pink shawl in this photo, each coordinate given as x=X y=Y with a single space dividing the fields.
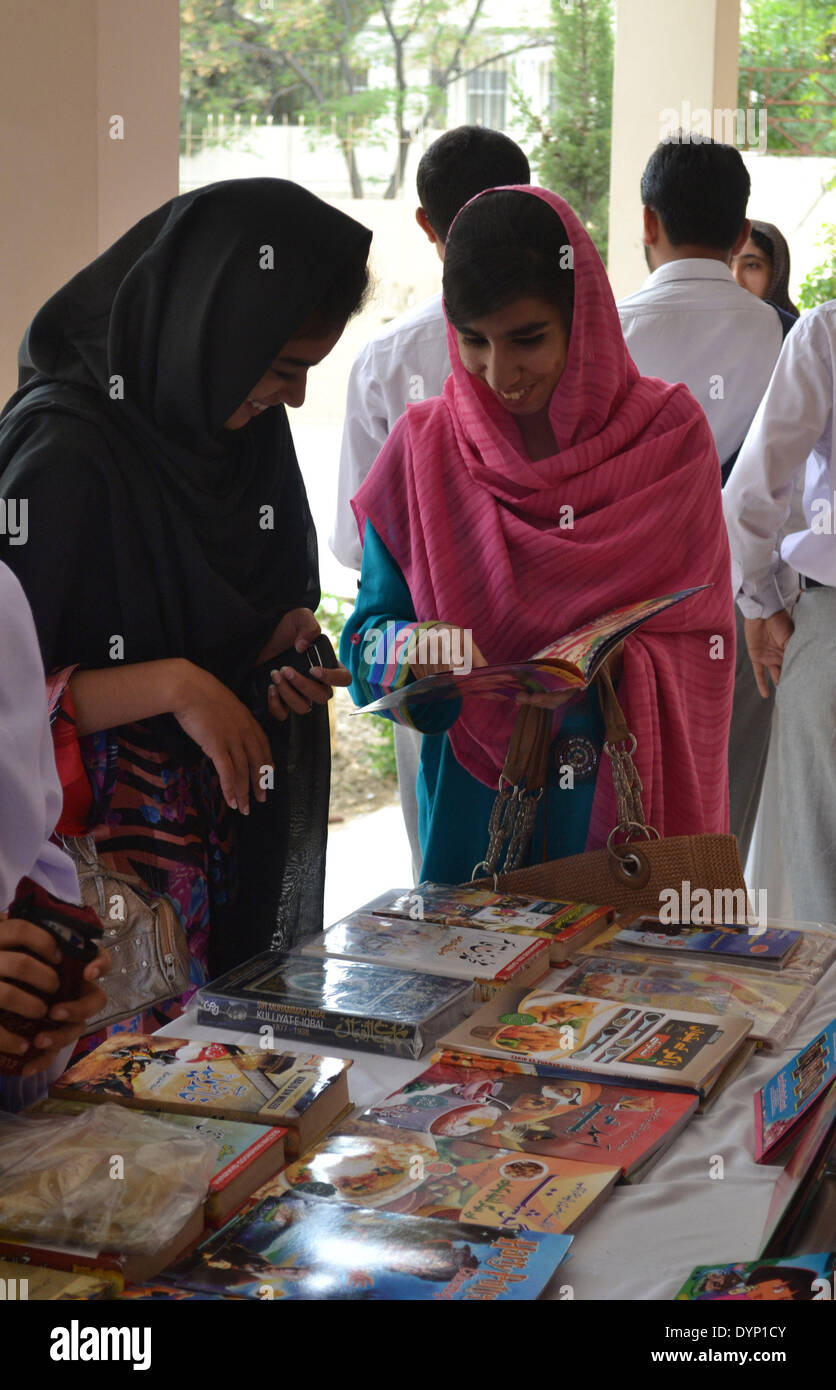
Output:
x=548 y=483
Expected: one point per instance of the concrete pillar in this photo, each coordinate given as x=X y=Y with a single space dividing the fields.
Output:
x=676 y=55
x=69 y=188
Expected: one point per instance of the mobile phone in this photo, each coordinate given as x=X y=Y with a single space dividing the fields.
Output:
x=77 y=933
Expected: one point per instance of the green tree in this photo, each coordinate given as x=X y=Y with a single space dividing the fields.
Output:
x=798 y=36
x=309 y=58
x=573 y=157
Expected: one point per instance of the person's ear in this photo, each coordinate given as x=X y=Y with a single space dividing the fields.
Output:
x=745 y=233
x=424 y=223
x=652 y=226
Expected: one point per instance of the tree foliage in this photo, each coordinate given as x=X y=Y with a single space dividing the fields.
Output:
x=573 y=158
x=794 y=34
x=310 y=58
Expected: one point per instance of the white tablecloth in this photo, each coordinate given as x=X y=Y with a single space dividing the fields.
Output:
x=646 y=1239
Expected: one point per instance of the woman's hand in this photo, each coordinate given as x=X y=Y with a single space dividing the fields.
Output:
x=291 y=693
x=226 y=731
x=297 y=629
x=39 y=970
x=444 y=642
x=766 y=639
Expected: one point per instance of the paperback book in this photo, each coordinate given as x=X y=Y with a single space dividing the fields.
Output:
x=489 y=960
x=560 y=1117
x=601 y=1039
x=35 y=1283
x=770 y=949
x=813 y=955
x=420 y=1175
x=566 y=925
x=773 y=1004
x=789 y=1094
x=801 y=1279
x=248 y=1155
x=303 y=1094
x=567 y=666
x=805 y=1172
x=297 y=1246
x=351 y=1004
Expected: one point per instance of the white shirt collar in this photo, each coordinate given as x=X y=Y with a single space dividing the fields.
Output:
x=691 y=268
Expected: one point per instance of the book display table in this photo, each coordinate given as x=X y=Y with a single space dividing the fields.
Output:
x=705 y=1202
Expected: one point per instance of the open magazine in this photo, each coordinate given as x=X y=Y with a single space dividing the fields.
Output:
x=569 y=664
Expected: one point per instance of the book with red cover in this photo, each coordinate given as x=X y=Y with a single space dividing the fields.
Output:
x=558 y=1116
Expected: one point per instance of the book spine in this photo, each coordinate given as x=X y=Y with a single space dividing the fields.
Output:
x=539 y=948
x=237 y=1165
x=368 y=1034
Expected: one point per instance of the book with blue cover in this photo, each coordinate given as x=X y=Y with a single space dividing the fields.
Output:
x=789 y=1094
x=299 y=1246
x=769 y=948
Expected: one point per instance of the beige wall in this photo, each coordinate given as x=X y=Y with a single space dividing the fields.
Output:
x=66 y=66
x=667 y=52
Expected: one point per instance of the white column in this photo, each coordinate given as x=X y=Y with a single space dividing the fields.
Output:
x=669 y=55
x=66 y=66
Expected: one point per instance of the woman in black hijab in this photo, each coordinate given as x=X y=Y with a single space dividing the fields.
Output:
x=763 y=267
x=170 y=551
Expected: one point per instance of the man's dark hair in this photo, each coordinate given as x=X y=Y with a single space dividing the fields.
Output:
x=699 y=191
x=462 y=163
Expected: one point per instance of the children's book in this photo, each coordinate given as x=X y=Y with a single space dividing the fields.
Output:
x=739 y=945
x=773 y=1004
x=567 y=926
x=800 y=1279
x=248 y=1155
x=560 y=1117
x=33 y=1282
x=802 y=1177
x=298 y=1246
x=601 y=1039
x=304 y=1094
x=813 y=955
x=421 y=1175
x=568 y=665
x=167 y=1293
x=488 y=959
x=370 y=1007
x=789 y=1094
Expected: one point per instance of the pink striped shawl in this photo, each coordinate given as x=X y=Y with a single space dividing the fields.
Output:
x=473 y=524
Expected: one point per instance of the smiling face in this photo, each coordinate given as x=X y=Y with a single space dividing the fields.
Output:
x=752 y=269
x=519 y=352
x=286 y=379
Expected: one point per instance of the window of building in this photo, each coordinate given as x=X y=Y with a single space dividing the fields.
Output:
x=487 y=91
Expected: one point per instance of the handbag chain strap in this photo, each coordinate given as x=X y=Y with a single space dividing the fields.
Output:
x=523 y=777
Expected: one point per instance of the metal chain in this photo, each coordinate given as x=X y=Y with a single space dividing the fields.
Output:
x=501 y=824
x=521 y=830
x=628 y=787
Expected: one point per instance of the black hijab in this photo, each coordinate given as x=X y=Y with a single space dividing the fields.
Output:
x=126 y=376
x=769 y=239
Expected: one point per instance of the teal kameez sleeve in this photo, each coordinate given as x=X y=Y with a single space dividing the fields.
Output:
x=375 y=639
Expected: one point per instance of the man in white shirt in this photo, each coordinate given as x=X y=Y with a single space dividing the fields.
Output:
x=408 y=361
x=692 y=322
x=791 y=635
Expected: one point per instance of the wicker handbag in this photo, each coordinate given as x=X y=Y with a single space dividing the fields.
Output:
x=636 y=865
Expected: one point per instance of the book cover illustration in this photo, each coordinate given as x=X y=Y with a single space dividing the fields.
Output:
x=21 y=1281
x=378 y=1008
x=168 y=1293
x=296 y=1246
x=814 y=954
x=790 y=1093
x=485 y=958
x=553 y=1030
x=566 y=665
x=773 y=1004
x=419 y=1175
x=217 y=1079
x=800 y=1279
x=770 y=948
x=805 y=1170
x=466 y=905
x=561 y=1117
